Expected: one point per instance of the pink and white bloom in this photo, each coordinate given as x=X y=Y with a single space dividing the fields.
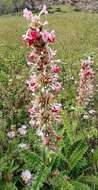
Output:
x=32 y=83
x=11 y=134
x=44 y=11
x=92 y=111
x=45 y=83
x=27 y=14
x=56 y=108
x=32 y=57
x=45 y=140
x=57 y=87
x=22 y=130
x=48 y=36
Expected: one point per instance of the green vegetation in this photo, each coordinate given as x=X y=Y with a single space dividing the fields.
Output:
x=75 y=165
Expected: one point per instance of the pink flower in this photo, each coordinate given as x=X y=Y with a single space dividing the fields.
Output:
x=45 y=140
x=44 y=11
x=45 y=36
x=22 y=130
x=27 y=14
x=51 y=37
x=32 y=83
x=87 y=73
x=33 y=111
x=48 y=37
x=57 y=87
x=11 y=134
x=55 y=69
x=31 y=36
x=56 y=108
x=32 y=57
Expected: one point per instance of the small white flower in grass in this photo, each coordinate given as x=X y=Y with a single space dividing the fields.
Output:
x=23 y=130
x=11 y=134
x=26 y=176
x=40 y=133
x=23 y=146
x=86 y=116
x=92 y=111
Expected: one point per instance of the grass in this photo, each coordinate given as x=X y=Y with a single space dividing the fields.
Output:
x=77 y=37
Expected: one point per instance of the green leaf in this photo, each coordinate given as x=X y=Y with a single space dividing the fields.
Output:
x=77 y=155
x=41 y=178
x=93 y=180
x=80 y=186
x=69 y=128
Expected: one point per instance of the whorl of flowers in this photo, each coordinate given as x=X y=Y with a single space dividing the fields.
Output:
x=87 y=85
x=44 y=82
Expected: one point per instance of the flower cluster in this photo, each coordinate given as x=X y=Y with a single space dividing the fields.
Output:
x=44 y=82
x=86 y=87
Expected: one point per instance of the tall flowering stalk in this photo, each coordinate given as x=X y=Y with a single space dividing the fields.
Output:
x=44 y=82
x=87 y=83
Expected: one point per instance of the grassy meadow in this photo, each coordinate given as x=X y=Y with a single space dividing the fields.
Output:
x=76 y=38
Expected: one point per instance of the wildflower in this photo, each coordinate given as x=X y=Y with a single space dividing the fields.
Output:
x=23 y=146
x=55 y=69
x=86 y=116
x=86 y=87
x=56 y=108
x=92 y=111
x=11 y=134
x=32 y=83
x=26 y=176
x=27 y=14
x=51 y=37
x=45 y=83
x=57 y=87
x=32 y=57
x=45 y=140
x=44 y=11
x=31 y=36
x=40 y=133
x=22 y=130
x=48 y=37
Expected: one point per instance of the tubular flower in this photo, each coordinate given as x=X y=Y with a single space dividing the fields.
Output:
x=86 y=86
x=44 y=81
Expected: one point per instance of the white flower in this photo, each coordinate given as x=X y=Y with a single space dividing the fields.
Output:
x=39 y=133
x=26 y=176
x=92 y=111
x=86 y=116
x=22 y=130
x=23 y=146
x=32 y=123
x=11 y=134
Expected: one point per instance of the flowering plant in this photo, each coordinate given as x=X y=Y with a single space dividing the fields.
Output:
x=86 y=87
x=44 y=82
